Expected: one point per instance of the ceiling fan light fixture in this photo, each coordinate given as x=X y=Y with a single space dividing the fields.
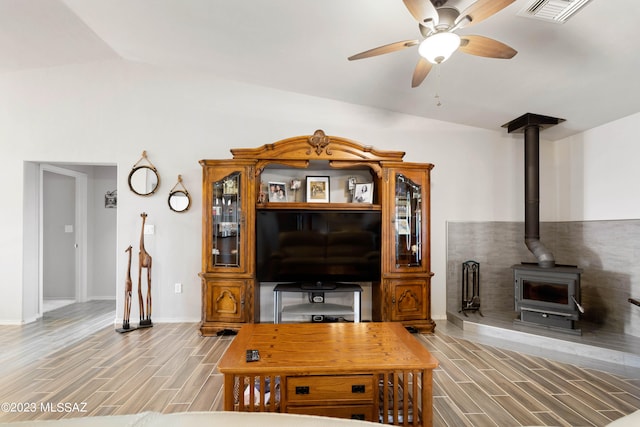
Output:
x=438 y=47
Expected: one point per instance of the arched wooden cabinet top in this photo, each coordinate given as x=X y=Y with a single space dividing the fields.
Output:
x=317 y=147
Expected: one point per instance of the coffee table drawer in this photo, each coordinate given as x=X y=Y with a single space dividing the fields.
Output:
x=327 y=388
x=353 y=412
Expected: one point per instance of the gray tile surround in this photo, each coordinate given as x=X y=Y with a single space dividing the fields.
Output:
x=607 y=251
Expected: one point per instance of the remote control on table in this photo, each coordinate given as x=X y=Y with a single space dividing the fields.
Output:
x=253 y=355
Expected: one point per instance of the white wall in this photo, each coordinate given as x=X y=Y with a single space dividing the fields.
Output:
x=102 y=237
x=30 y=294
x=111 y=112
x=599 y=173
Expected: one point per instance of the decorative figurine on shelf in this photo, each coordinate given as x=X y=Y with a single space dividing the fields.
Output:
x=351 y=187
x=295 y=186
x=144 y=261
x=262 y=194
x=128 y=286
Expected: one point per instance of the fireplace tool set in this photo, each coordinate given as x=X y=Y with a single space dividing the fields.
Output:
x=470 y=287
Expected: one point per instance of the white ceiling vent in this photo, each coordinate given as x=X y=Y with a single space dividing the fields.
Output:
x=558 y=11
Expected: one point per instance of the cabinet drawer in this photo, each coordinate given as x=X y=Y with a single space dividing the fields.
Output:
x=353 y=412
x=330 y=388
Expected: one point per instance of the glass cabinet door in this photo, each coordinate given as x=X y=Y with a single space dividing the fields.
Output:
x=226 y=222
x=408 y=222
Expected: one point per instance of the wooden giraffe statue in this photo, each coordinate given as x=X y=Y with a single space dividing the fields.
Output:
x=128 y=286
x=144 y=261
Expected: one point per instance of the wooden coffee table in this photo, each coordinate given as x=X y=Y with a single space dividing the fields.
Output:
x=373 y=371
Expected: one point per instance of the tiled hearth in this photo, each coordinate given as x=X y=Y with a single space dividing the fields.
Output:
x=595 y=347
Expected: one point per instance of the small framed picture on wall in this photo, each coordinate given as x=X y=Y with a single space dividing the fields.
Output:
x=318 y=189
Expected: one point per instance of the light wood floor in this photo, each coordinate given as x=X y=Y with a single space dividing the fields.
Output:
x=170 y=368
x=22 y=344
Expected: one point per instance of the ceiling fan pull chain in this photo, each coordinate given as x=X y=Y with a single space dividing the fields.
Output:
x=437 y=97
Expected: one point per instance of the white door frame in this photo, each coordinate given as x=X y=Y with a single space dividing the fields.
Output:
x=81 y=198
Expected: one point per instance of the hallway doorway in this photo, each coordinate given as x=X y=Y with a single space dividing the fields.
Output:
x=70 y=236
x=63 y=236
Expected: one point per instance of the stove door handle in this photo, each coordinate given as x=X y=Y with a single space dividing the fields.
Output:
x=580 y=309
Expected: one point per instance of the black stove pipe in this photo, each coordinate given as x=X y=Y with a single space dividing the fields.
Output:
x=531 y=124
x=532 y=198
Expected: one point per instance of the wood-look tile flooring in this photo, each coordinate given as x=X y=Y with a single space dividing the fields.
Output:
x=56 y=329
x=170 y=368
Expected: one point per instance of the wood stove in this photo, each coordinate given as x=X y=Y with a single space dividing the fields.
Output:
x=546 y=294
x=548 y=297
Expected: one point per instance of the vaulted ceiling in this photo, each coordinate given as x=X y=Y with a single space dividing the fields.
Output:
x=585 y=70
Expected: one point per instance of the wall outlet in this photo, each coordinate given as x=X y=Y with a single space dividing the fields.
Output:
x=178 y=288
x=149 y=229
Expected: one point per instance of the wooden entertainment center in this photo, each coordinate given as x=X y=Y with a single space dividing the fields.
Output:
x=234 y=191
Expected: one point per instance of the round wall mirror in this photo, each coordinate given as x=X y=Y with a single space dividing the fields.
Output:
x=144 y=180
x=179 y=201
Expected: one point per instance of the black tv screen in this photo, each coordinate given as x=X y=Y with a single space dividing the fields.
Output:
x=317 y=246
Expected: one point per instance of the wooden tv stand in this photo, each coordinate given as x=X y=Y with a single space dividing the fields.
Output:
x=372 y=371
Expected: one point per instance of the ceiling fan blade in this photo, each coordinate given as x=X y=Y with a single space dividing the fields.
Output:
x=381 y=50
x=422 y=10
x=420 y=73
x=481 y=10
x=484 y=46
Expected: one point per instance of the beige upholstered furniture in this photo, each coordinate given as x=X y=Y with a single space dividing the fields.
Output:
x=196 y=419
x=235 y=419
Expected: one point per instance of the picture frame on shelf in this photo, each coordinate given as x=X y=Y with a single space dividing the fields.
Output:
x=230 y=186
x=226 y=229
x=402 y=227
x=363 y=193
x=277 y=192
x=317 y=189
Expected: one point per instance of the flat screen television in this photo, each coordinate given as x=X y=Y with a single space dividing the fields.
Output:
x=317 y=246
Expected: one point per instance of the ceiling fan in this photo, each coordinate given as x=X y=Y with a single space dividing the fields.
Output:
x=438 y=22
